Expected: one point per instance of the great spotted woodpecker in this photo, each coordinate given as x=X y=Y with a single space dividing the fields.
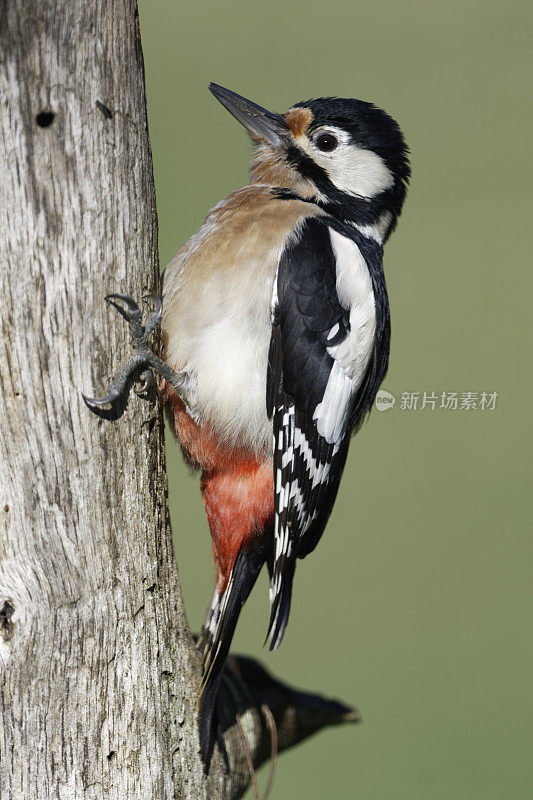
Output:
x=275 y=329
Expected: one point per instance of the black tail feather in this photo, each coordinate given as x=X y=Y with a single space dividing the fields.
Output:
x=281 y=605
x=248 y=565
x=207 y=721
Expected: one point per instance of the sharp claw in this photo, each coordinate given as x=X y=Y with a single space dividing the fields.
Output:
x=130 y=302
x=155 y=317
x=158 y=302
x=136 y=367
x=116 y=408
x=133 y=308
x=146 y=383
x=89 y=401
x=100 y=402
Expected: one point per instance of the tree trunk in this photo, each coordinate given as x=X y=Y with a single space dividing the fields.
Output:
x=98 y=668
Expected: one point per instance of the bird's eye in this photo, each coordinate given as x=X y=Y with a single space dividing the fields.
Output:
x=326 y=142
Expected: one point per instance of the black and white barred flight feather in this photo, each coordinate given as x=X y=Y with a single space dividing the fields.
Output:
x=328 y=355
x=218 y=629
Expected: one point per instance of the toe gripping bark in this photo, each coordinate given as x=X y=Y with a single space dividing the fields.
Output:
x=140 y=366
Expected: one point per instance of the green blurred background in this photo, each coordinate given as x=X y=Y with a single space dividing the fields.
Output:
x=417 y=604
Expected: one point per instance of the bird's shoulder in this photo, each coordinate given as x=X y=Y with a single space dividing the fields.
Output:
x=251 y=223
x=331 y=326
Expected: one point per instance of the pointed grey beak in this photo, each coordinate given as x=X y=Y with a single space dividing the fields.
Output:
x=260 y=123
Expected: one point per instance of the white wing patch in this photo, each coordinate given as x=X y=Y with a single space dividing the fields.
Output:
x=355 y=293
x=351 y=356
x=332 y=414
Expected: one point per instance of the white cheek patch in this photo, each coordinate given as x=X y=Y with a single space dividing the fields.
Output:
x=355 y=292
x=357 y=171
x=350 y=168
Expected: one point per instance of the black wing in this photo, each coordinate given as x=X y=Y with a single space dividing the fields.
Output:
x=313 y=401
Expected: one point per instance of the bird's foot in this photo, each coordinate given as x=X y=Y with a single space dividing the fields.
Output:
x=139 y=367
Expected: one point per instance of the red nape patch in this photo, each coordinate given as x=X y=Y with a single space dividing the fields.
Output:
x=237 y=487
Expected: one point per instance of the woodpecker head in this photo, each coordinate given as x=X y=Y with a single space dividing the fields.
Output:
x=347 y=155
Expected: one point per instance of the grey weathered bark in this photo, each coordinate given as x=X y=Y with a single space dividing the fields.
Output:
x=98 y=667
